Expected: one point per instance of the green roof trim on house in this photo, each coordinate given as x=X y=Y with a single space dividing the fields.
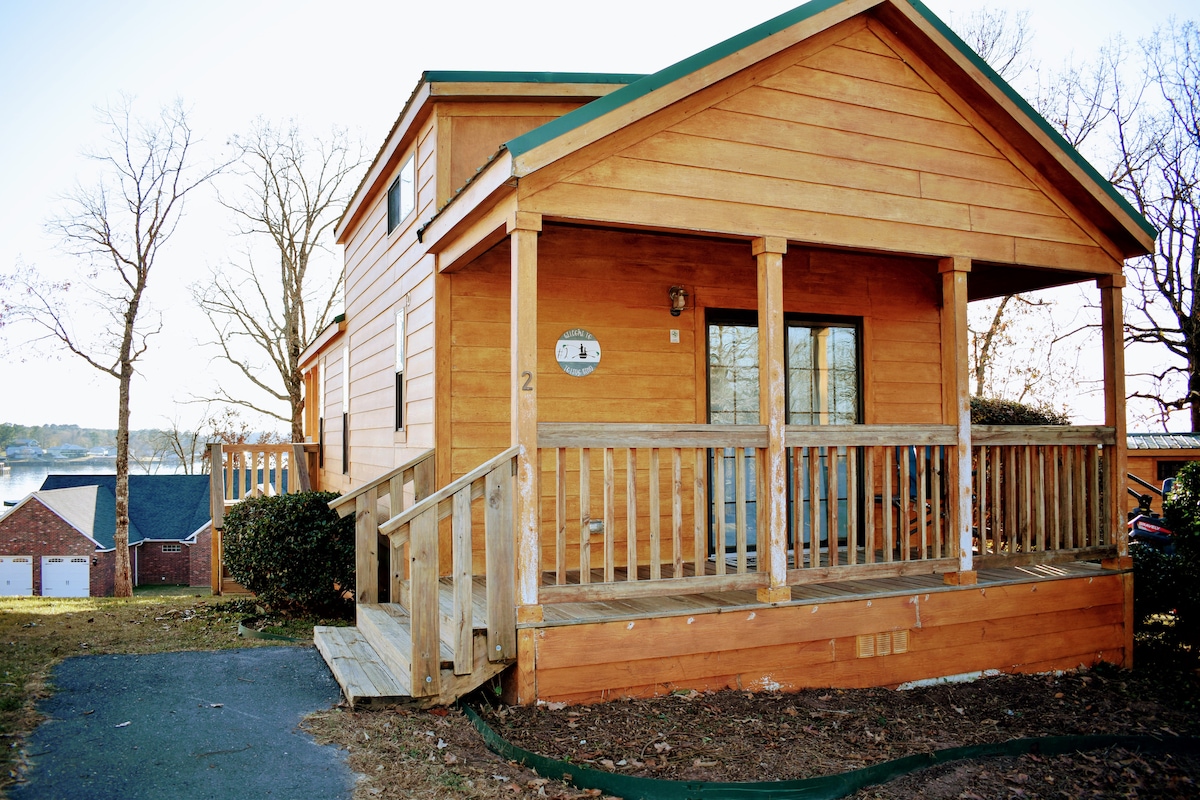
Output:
x=650 y=83
x=487 y=76
x=598 y=108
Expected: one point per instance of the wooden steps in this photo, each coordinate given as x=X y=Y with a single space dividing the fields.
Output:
x=372 y=661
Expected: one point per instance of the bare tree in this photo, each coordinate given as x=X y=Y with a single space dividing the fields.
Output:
x=1003 y=41
x=294 y=188
x=118 y=228
x=1157 y=166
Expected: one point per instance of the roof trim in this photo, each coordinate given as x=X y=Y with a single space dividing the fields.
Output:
x=650 y=83
x=1029 y=111
x=593 y=111
x=490 y=76
x=329 y=334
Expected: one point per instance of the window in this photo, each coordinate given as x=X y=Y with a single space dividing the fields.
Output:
x=400 y=340
x=821 y=359
x=321 y=414
x=172 y=548
x=1169 y=469
x=402 y=195
x=345 y=410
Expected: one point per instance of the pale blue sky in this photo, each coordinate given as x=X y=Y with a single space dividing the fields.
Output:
x=352 y=63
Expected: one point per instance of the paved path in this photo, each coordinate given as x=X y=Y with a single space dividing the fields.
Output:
x=186 y=726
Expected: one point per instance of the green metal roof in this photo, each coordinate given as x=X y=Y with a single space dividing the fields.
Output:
x=650 y=83
x=487 y=76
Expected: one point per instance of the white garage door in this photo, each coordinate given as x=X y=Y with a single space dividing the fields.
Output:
x=16 y=576
x=65 y=576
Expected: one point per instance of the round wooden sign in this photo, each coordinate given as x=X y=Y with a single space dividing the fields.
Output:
x=577 y=352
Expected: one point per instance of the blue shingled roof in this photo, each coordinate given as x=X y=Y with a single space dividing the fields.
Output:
x=170 y=507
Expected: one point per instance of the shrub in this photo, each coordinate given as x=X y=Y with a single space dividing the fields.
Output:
x=292 y=551
x=1170 y=582
x=994 y=411
x=1181 y=508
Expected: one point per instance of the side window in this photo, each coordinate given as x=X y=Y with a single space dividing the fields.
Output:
x=321 y=413
x=345 y=410
x=402 y=194
x=401 y=333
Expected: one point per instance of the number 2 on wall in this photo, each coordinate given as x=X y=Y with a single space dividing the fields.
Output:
x=527 y=386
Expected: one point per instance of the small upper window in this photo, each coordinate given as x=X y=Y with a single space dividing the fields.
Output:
x=172 y=548
x=402 y=195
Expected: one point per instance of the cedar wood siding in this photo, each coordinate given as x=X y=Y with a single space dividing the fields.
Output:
x=615 y=284
x=383 y=270
x=847 y=144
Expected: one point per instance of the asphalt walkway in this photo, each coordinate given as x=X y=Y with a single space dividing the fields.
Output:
x=186 y=726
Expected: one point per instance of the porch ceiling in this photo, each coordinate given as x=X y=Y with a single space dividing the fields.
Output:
x=996 y=280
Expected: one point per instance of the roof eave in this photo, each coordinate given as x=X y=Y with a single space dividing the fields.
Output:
x=330 y=334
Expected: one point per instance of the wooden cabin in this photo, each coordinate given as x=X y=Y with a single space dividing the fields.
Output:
x=660 y=382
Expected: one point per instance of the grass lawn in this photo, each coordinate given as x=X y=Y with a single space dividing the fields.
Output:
x=38 y=632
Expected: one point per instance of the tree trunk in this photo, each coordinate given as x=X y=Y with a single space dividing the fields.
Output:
x=123 y=579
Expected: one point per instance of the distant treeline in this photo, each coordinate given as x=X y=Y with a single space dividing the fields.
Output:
x=55 y=435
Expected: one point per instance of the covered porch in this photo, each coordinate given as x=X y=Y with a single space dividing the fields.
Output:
x=584 y=528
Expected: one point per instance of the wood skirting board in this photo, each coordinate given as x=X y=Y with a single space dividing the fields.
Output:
x=886 y=640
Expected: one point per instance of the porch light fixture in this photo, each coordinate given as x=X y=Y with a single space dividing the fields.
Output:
x=678 y=300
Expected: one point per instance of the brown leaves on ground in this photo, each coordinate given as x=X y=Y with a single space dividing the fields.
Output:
x=736 y=736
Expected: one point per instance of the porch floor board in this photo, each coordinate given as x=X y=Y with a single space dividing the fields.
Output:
x=556 y=614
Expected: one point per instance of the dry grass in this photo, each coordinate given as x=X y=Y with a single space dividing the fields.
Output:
x=36 y=633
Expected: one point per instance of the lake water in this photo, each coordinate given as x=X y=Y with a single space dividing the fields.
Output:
x=27 y=478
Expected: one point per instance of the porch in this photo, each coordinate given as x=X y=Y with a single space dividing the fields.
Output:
x=649 y=540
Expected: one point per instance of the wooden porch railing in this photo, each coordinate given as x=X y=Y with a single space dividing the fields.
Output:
x=491 y=483
x=239 y=471
x=870 y=501
x=1039 y=494
x=863 y=500
x=384 y=567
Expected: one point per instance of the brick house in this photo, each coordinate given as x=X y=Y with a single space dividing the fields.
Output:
x=59 y=541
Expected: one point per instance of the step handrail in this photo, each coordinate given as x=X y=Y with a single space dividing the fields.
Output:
x=344 y=504
x=446 y=493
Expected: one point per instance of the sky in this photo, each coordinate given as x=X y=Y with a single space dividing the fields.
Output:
x=351 y=63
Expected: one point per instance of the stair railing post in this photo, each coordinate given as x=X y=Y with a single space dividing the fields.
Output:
x=424 y=611
x=366 y=548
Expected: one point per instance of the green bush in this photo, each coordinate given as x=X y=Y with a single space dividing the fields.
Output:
x=1181 y=508
x=1165 y=583
x=292 y=551
x=994 y=411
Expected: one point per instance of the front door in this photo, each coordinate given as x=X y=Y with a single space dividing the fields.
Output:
x=823 y=388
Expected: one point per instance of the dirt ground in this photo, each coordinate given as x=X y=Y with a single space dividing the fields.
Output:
x=736 y=736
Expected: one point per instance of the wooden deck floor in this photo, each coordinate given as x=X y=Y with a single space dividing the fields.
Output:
x=557 y=614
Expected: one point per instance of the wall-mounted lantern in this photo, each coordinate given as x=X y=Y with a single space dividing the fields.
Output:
x=678 y=300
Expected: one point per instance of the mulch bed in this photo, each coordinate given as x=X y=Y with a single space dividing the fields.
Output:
x=737 y=736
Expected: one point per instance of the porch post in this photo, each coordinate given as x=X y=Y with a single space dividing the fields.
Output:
x=523 y=228
x=769 y=252
x=1113 y=326
x=956 y=409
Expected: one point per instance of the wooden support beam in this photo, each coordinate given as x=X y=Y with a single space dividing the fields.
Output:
x=769 y=252
x=523 y=230
x=1115 y=457
x=956 y=403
